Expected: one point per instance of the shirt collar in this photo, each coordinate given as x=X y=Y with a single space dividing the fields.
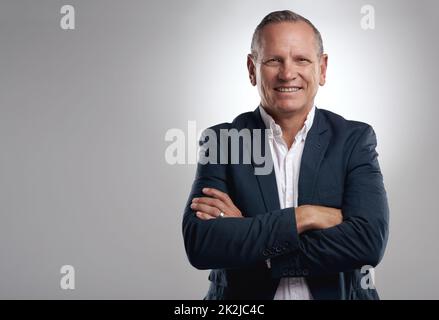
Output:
x=276 y=129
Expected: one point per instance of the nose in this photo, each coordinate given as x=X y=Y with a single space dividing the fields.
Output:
x=287 y=71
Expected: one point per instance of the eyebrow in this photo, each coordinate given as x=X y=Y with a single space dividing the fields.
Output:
x=295 y=56
x=272 y=56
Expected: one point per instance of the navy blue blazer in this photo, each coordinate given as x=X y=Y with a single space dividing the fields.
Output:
x=339 y=169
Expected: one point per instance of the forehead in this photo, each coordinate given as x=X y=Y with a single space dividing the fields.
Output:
x=287 y=36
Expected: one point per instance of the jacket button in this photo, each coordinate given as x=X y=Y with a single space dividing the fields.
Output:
x=292 y=273
x=285 y=273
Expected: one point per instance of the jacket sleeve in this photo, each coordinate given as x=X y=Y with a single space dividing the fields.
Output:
x=233 y=242
x=362 y=236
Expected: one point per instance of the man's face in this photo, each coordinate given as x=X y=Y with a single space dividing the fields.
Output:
x=288 y=69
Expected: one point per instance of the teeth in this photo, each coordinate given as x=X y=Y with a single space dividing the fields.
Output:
x=294 y=89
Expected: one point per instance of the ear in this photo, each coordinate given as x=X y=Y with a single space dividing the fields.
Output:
x=323 y=66
x=251 y=69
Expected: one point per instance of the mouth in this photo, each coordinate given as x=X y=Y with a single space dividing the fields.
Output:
x=288 y=89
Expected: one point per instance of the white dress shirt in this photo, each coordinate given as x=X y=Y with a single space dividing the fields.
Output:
x=287 y=167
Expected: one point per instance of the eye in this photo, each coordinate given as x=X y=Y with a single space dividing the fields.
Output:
x=272 y=62
x=303 y=60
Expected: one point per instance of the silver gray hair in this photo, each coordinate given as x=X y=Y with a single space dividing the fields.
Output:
x=283 y=16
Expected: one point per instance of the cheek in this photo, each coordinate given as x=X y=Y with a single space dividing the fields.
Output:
x=268 y=79
x=265 y=82
x=264 y=91
x=312 y=78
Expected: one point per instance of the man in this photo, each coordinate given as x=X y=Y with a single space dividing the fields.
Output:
x=306 y=229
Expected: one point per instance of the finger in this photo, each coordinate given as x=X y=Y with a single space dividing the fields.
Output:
x=213 y=211
x=211 y=202
x=218 y=195
x=204 y=216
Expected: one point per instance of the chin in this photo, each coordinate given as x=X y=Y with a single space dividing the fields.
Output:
x=290 y=107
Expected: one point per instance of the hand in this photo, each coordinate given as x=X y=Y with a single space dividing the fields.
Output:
x=310 y=217
x=211 y=207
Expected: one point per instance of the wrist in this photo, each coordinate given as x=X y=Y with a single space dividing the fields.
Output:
x=304 y=218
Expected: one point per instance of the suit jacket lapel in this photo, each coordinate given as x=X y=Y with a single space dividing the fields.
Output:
x=267 y=183
x=316 y=143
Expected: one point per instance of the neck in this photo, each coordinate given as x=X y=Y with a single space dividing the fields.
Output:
x=291 y=123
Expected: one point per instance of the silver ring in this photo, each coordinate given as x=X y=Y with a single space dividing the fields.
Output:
x=221 y=214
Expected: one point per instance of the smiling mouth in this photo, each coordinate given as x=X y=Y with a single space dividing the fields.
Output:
x=288 y=89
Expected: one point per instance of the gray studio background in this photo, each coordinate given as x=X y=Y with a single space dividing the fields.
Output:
x=84 y=112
